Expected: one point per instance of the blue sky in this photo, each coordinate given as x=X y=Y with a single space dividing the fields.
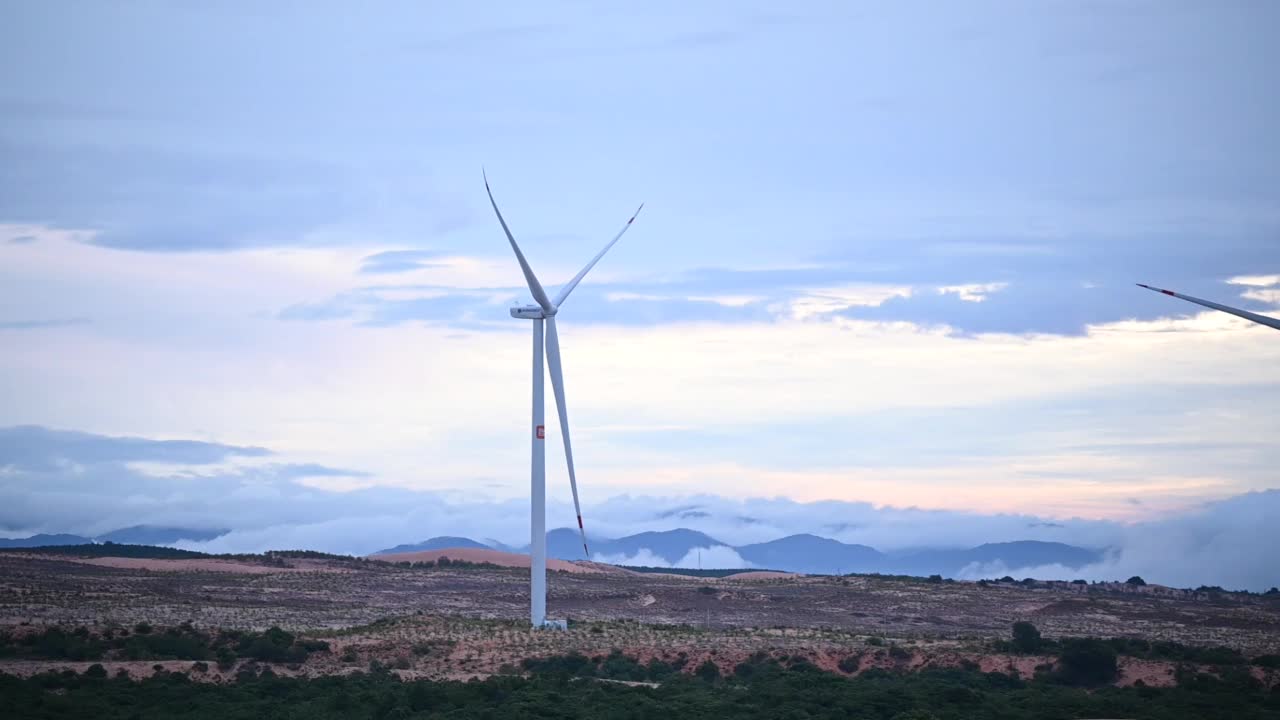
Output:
x=887 y=254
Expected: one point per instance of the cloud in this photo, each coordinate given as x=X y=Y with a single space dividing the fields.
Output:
x=714 y=557
x=710 y=558
x=34 y=448
x=395 y=261
x=43 y=324
x=1221 y=544
x=63 y=481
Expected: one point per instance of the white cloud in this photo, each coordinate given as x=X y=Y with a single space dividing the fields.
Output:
x=1255 y=280
x=715 y=557
x=1269 y=295
x=1225 y=544
x=822 y=301
x=974 y=292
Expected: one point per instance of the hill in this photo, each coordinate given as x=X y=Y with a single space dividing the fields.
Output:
x=813 y=554
x=43 y=540
x=435 y=543
x=152 y=535
x=803 y=553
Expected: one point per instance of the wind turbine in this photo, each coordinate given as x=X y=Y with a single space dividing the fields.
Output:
x=544 y=312
x=1255 y=317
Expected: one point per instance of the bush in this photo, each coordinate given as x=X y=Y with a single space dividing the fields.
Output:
x=935 y=579
x=1026 y=638
x=657 y=670
x=1136 y=581
x=620 y=667
x=708 y=671
x=95 y=671
x=1267 y=661
x=1087 y=662
x=850 y=664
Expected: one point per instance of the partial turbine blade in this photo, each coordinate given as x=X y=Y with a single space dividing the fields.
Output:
x=535 y=287
x=557 y=388
x=1255 y=317
x=568 y=288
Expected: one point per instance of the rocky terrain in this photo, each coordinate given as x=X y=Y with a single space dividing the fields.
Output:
x=453 y=621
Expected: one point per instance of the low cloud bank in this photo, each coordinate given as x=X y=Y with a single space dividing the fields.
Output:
x=54 y=482
x=716 y=557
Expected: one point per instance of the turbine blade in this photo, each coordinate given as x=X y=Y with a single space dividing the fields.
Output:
x=568 y=288
x=557 y=388
x=1254 y=317
x=535 y=287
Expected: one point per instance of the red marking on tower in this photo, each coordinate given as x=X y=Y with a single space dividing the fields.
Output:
x=1168 y=292
x=542 y=432
x=580 y=523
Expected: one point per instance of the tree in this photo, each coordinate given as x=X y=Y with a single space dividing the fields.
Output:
x=1088 y=662
x=1136 y=581
x=1026 y=637
x=708 y=671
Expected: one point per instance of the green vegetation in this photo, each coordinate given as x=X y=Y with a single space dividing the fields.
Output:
x=1027 y=640
x=445 y=562
x=109 y=549
x=144 y=643
x=560 y=687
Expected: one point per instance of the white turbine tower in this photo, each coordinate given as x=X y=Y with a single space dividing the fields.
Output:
x=545 y=312
x=1254 y=317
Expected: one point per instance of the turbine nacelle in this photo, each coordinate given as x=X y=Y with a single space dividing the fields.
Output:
x=529 y=312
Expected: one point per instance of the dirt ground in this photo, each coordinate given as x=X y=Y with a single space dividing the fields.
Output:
x=462 y=622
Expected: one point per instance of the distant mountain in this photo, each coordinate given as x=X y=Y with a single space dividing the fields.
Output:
x=436 y=543
x=670 y=545
x=1012 y=555
x=795 y=553
x=813 y=554
x=43 y=540
x=153 y=535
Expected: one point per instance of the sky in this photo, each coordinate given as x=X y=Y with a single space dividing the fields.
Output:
x=887 y=260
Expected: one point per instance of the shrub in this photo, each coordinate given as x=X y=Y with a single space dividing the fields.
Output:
x=1136 y=581
x=1087 y=662
x=95 y=671
x=1026 y=637
x=1268 y=661
x=708 y=671
x=850 y=663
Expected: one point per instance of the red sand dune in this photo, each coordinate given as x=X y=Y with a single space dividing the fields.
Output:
x=497 y=557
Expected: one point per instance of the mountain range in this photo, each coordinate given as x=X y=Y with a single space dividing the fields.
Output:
x=794 y=553
x=135 y=535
